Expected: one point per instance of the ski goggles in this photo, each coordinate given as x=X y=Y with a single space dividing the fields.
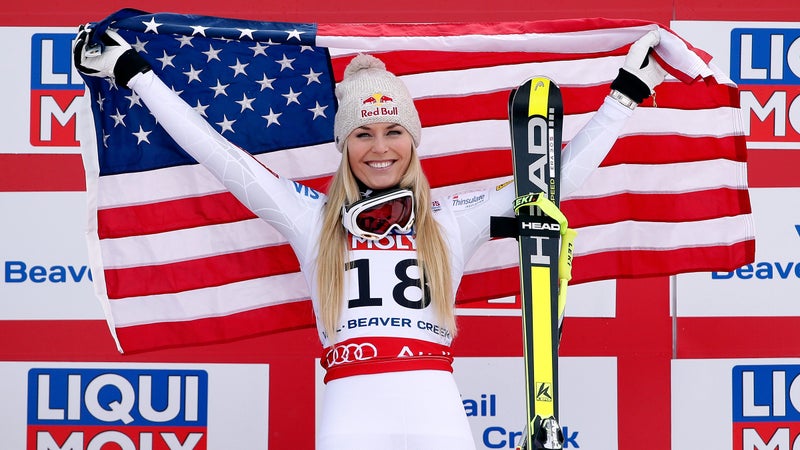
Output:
x=375 y=217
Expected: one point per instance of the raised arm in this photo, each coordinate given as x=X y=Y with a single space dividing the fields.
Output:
x=638 y=76
x=271 y=198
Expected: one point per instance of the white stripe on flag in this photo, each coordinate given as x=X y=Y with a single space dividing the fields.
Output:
x=215 y=301
x=672 y=178
x=595 y=40
x=710 y=122
x=631 y=235
x=456 y=83
x=495 y=254
x=189 y=243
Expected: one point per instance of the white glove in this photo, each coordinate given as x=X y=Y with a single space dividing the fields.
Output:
x=640 y=62
x=114 y=59
x=640 y=73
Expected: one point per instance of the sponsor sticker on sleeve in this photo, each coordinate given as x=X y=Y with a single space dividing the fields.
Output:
x=467 y=200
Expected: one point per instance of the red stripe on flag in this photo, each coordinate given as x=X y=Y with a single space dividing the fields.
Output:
x=466 y=167
x=478 y=28
x=409 y=62
x=706 y=93
x=689 y=206
x=450 y=110
x=488 y=285
x=170 y=215
x=674 y=149
x=494 y=105
x=580 y=100
x=577 y=100
x=199 y=273
x=626 y=263
x=675 y=95
x=272 y=319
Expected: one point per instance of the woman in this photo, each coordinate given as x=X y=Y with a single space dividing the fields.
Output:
x=381 y=257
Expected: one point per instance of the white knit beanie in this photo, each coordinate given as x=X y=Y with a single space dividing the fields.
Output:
x=367 y=94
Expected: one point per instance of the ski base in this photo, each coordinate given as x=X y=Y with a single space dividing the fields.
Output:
x=548 y=436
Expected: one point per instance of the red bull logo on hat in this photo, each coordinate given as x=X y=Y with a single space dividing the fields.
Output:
x=374 y=106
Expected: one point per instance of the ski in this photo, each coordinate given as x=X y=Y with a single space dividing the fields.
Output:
x=536 y=116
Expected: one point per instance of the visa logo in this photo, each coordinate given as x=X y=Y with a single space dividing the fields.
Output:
x=55 y=88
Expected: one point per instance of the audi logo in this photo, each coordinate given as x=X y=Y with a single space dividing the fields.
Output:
x=349 y=353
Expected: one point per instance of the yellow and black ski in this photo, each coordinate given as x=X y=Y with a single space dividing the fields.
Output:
x=536 y=116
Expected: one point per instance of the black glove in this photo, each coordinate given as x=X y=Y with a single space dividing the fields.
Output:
x=641 y=72
x=114 y=59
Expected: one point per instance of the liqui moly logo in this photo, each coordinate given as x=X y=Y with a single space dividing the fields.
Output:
x=766 y=407
x=378 y=104
x=130 y=409
x=402 y=242
x=56 y=88
x=765 y=63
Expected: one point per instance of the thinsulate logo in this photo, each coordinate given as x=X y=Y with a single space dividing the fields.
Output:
x=135 y=409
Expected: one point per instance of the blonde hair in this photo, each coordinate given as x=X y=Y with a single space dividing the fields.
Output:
x=432 y=252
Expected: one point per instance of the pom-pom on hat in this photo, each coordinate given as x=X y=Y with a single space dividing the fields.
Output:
x=368 y=94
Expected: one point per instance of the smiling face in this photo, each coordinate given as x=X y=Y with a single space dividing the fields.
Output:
x=379 y=154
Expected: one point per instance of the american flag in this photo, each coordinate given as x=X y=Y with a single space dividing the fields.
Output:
x=179 y=261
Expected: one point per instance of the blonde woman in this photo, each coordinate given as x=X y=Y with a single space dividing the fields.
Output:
x=381 y=257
